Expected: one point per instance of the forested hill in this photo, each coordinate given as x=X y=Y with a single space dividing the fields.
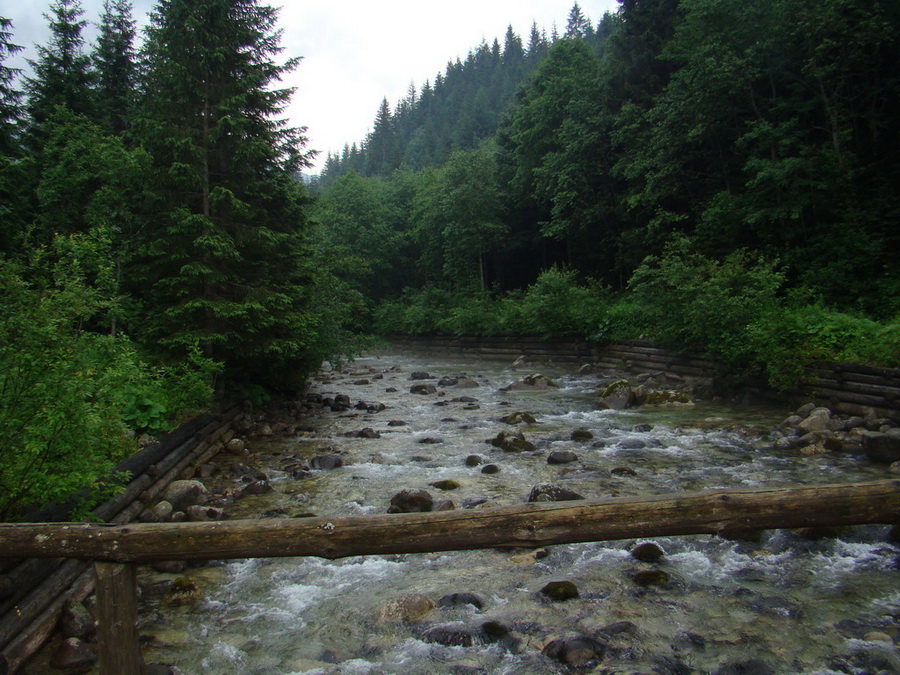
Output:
x=716 y=174
x=461 y=108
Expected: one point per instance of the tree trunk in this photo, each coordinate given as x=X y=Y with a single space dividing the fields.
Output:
x=530 y=525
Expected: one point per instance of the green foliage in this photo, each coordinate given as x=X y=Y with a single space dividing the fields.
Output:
x=557 y=305
x=63 y=390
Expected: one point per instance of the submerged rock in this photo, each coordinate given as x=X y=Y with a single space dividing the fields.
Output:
x=650 y=578
x=408 y=608
x=460 y=599
x=581 y=436
x=575 y=651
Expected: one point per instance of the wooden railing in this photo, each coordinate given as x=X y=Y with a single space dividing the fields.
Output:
x=116 y=549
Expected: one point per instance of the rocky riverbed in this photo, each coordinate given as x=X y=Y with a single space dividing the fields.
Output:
x=402 y=433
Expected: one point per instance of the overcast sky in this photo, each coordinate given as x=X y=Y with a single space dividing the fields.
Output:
x=355 y=52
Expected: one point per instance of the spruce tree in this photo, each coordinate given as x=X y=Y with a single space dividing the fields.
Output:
x=10 y=97
x=62 y=72
x=226 y=264
x=114 y=61
x=578 y=26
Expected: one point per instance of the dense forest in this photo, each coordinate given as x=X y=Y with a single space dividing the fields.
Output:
x=713 y=174
x=156 y=249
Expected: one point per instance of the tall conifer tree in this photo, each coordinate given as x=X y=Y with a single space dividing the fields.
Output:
x=10 y=97
x=226 y=265
x=62 y=71
x=114 y=61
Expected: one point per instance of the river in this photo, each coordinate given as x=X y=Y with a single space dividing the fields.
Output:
x=782 y=602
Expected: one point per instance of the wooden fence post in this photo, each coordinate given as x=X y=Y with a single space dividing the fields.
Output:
x=117 y=633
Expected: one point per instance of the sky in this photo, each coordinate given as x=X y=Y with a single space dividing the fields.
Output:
x=355 y=52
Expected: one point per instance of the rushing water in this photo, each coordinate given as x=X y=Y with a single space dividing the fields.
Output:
x=782 y=603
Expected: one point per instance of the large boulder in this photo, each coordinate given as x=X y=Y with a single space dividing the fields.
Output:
x=184 y=493
x=617 y=396
x=883 y=448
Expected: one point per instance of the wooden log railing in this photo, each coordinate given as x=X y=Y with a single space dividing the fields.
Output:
x=115 y=549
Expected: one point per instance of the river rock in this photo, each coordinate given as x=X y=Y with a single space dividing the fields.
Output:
x=883 y=448
x=162 y=669
x=575 y=651
x=411 y=501
x=236 y=446
x=75 y=621
x=183 y=493
x=326 y=462
x=490 y=469
x=559 y=591
x=423 y=389
x=161 y=512
x=450 y=635
x=183 y=591
x=397 y=423
x=448 y=381
x=819 y=419
x=647 y=552
x=650 y=578
x=474 y=460
x=549 y=492
x=200 y=514
x=581 y=436
x=466 y=383
x=420 y=375
x=74 y=656
x=512 y=442
x=446 y=485
x=617 y=396
x=460 y=599
x=257 y=487
x=562 y=457
x=533 y=382
x=749 y=667
x=408 y=608
x=519 y=418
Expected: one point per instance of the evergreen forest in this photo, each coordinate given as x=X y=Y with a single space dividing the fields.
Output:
x=716 y=175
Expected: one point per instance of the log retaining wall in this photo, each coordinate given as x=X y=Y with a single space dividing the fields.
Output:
x=844 y=387
x=33 y=592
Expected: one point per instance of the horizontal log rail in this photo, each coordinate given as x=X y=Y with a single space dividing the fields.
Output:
x=528 y=525
x=115 y=549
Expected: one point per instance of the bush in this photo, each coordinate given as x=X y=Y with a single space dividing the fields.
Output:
x=68 y=393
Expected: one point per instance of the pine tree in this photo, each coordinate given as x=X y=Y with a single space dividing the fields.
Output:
x=226 y=266
x=381 y=148
x=62 y=71
x=114 y=61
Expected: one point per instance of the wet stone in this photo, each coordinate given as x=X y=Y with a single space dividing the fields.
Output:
x=460 y=599
x=326 y=462
x=490 y=469
x=446 y=485
x=74 y=655
x=650 y=578
x=411 y=501
x=581 y=436
x=560 y=591
x=474 y=460
x=397 y=423
x=420 y=375
x=449 y=635
x=576 y=651
x=748 y=667
x=647 y=552
x=552 y=493
x=423 y=389
x=76 y=621
x=562 y=457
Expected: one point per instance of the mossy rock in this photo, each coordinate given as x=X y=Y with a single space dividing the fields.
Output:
x=446 y=485
x=666 y=396
x=581 y=436
x=650 y=578
x=614 y=388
